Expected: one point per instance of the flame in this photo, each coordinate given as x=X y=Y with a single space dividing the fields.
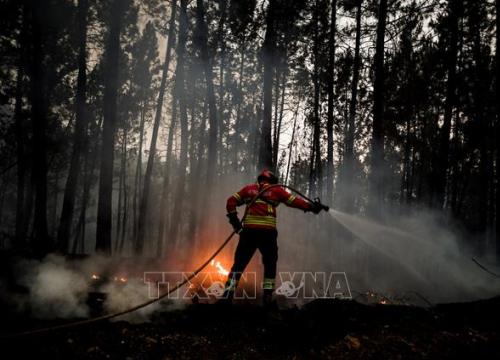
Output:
x=95 y=277
x=220 y=269
x=384 y=302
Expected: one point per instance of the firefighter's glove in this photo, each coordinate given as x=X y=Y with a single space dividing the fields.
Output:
x=316 y=207
x=234 y=221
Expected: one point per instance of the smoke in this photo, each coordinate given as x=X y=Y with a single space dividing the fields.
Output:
x=134 y=292
x=402 y=252
x=54 y=288
x=406 y=250
x=59 y=288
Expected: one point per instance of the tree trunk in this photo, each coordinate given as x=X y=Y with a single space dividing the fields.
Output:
x=292 y=140
x=121 y=228
x=315 y=170
x=329 y=125
x=181 y=96
x=279 y=108
x=124 y=232
x=481 y=93
x=277 y=76
x=268 y=56
x=55 y=201
x=89 y=170
x=441 y=171
x=221 y=43
x=212 y=107
x=42 y=243
x=377 y=164
x=348 y=167
x=195 y=200
x=405 y=191
x=121 y=189
x=163 y=215
x=152 y=149
x=195 y=143
x=138 y=177
x=237 y=124
x=497 y=61
x=104 y=206
x=20 y=134
x=66 y=220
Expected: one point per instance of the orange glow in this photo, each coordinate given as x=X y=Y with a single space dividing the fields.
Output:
x=220 y=269
x=95 y=277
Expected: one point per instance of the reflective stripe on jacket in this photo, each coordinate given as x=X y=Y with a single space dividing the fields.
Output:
x=262 y=213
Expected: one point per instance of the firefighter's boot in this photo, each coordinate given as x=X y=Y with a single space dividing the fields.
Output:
x=268 y=302
x=226 y=299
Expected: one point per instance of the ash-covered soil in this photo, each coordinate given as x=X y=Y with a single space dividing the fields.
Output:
x=321 y=329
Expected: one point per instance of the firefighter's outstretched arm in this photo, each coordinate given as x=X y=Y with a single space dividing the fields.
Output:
x=298 y=202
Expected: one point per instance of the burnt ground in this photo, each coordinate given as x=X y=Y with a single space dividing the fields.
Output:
x=321 y=329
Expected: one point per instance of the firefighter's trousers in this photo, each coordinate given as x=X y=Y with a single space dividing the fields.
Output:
x=250 y=240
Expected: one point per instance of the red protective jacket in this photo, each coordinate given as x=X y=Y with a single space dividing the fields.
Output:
x=262 y=213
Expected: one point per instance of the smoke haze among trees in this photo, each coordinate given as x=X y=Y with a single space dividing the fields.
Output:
x=125 y=124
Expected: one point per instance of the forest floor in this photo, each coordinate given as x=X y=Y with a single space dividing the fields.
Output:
x=320 y=329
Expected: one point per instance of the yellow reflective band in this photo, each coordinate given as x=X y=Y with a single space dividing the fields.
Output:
x=231 y=285
x=260 y=220
x=237 y=196
x=291 y=199
x=268 y=283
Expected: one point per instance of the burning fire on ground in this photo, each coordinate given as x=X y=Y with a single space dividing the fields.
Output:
x=119 y=279
x=220 y=269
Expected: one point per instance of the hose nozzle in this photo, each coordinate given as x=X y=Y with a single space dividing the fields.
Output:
x=323 y=206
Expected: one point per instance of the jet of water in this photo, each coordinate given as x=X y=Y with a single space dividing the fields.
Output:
x=432 y=256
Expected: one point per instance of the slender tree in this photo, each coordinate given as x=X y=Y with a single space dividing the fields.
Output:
x=104 y=209
x=163 y=213
x=330 y=119
x=348 y=165
x=156 y=126
x=222 y=65
x=20 y=129
x=79 y=134
x=183 y=122
x=377 y=164
x=39 y=105
x=268 y=57
x=440 y=179
x=497 y=98
x=202 y=31
x=315 y=166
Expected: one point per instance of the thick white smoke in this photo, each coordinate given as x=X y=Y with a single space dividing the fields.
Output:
x=55 y=289
x=59 y=288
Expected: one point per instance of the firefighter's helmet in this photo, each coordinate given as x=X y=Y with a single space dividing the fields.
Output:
x=267 y=176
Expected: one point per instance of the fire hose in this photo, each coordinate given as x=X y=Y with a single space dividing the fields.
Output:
x=170 y=291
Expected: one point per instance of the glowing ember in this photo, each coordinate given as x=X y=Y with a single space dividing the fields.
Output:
x=95 y=277
x=384 y=302
x=220 y=269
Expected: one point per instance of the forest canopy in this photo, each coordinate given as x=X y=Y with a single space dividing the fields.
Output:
x=123 y=123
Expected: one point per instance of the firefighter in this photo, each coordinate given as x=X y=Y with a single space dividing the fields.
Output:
x=258 y=230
